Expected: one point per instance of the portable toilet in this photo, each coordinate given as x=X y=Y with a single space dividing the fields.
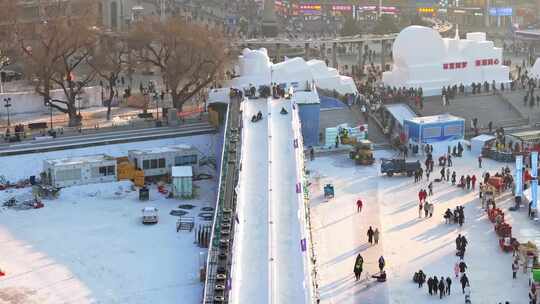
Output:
x=182 y=181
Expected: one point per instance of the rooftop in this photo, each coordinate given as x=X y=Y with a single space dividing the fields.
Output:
x=182 y=171
x=80 y=159
x=435 y=118
x=158 y=150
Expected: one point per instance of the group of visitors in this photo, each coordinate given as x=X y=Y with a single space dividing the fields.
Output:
x=455 y=217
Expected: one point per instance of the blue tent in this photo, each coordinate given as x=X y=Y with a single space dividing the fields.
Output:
x=437 y=128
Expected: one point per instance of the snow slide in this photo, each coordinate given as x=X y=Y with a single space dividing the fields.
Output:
x=250 y=269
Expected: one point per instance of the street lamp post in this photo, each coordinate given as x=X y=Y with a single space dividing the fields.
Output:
x=156 y=98
x=7 y=105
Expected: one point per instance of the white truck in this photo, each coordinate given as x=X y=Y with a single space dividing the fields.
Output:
x=150 y=215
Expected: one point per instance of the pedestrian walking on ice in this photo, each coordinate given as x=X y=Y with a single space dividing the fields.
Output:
x=420 y=210
x=435 y=285
x=456 y=269
x=382 y=263
x=430 y=188
x=359 y=205
x=464 y=282
x=448 y=285
x=441 y=288
x=473 y=181
x=515 y=269
x=376 y=236
x=358 y=265
x=426 y=209
x=480 y=161
x=430 y=286
x=370 y=235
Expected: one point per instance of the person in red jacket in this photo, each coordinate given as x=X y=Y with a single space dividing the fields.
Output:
x=359 y=205
x=473 y=181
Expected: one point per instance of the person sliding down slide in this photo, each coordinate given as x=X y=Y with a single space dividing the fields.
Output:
x=257 y=117
x=381 y=277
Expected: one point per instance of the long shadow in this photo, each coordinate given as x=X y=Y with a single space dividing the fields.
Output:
x=346 y=255
x=430 y=252
x=404 y=207
x=335 y=221
x=405 y=225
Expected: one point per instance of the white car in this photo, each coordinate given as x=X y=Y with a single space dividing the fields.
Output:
x=150 y=215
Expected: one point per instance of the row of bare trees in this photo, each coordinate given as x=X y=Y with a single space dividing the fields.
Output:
x=66 y=49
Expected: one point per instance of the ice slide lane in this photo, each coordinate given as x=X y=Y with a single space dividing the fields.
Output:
x=250 y=271
x=287 y=265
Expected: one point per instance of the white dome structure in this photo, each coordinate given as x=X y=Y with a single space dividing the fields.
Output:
x=406 y=46
x=422 y=58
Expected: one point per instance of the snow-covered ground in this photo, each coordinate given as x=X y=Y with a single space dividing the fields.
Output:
x=408 y=243
x=22 y=166
x=89 y=246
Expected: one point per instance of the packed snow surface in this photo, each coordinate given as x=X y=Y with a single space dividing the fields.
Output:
x=90 y=246
x=407 y=242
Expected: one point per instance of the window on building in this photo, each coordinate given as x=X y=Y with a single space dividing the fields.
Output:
x=102 y=171
x=153 y=164
x=161 y=163
x=146 y=164
x=186 y=160
x=111 y=170
x=68 y=175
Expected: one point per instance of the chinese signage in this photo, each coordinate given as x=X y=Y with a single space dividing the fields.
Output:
x=481 y=62
x=429 y=10
x=310 y=9
x=500 y=11
x=454 y=65
x=342 y=8
x=463 y=64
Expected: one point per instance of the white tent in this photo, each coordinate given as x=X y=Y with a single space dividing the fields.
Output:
x=478 y=142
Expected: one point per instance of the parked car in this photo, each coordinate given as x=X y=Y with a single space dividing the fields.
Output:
x=150 y=215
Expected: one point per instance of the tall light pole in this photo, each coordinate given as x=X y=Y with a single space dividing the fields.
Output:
x=7 y=105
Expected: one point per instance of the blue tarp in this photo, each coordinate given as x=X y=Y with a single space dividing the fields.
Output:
x=330 y=102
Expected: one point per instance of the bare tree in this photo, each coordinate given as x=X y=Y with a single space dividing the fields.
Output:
x=56 y=50
x=108 y=63
x=188 y=55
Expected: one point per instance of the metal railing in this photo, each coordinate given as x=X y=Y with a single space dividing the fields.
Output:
x=218 y=266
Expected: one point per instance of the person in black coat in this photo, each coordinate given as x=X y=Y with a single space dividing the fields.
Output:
x=435 y=285
x=448 y=285
x=430 y=286
x=441 y=288
x=370 y=235
x=462 y=267
x=464 y=282
x=421 y=278
x=458 y=242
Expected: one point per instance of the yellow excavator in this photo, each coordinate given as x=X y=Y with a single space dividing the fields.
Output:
x=362 y=153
